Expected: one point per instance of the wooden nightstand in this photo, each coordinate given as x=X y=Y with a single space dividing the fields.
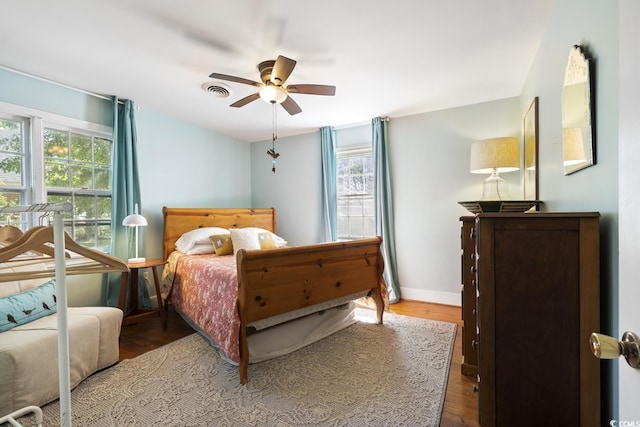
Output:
x=136 y=313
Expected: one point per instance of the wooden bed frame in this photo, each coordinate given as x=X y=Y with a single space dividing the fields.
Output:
x=277 y=281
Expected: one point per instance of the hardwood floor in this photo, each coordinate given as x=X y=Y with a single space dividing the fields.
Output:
x=461 y=403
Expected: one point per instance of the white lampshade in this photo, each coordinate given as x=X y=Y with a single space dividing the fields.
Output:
x=501 y=154
x=492 y=156
x=273 y=94
x=135 y=220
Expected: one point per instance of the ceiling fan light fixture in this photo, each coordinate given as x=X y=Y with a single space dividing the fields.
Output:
x=273 y=94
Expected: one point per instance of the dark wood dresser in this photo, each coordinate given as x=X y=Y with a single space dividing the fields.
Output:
x=469 y=365
x=538 y=300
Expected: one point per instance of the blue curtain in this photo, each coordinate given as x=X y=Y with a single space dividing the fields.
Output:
x=383 y=201
x=125 y=188
x=329 y=195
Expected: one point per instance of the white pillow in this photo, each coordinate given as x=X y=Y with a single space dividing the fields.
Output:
x=188 y=240
x=244 y=238
x=201 y=248
x=247 y=238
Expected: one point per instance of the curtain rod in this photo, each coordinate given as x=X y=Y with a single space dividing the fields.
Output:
x=42 y=79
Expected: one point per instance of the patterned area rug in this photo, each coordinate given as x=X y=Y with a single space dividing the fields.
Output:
x=365 y=375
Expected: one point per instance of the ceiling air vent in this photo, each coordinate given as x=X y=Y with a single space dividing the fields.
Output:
x=218 y=89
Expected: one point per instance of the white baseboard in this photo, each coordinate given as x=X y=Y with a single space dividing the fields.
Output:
x=449 y=298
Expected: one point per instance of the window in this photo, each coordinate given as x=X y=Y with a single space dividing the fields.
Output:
x=354 y=181
x=13 y=177
x=58 y=160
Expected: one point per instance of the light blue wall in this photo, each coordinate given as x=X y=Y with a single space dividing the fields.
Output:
x=430 y=173
x=182 y=165
x=294 y=190
x=594 y=24
x=19 y=89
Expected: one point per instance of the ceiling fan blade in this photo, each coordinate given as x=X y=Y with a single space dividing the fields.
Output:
x=281 y=70
x=234 y=79
x=247 y=99
x=290 y=105
x=312 y=89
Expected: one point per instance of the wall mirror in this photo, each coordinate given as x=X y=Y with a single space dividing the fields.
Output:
x=577 y=113
x=530 y=152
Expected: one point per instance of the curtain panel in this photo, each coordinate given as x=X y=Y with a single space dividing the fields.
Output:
x=383 y=202
x=329 y=192
x=125 y=189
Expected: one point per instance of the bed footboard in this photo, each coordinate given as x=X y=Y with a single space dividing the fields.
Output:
x=276 y=281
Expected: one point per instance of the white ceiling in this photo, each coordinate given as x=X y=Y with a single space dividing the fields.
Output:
x=385 y=58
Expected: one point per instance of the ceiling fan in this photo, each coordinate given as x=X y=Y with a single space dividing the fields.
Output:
x=273 y=75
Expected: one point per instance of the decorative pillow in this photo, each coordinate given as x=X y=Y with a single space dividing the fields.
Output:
x=277 y=240
x=201 y=248
x=222 y=243
x=18 y=309
x=244 y=238
x=267 y=240
x=198 y=236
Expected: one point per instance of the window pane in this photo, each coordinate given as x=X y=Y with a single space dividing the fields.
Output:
x=355 y=226
x=368 y=206
x=355 y=207
x=343 y=226
x=341 y=186
x=10 y=169
x=10 y=136
x=56 y=173
x=102 y=152
x=343 y=207
x=342 y=164
x=11 y=157
x=103 y=179
x=85 y=207
x=104 y=208
x=84 y=233
x=104 y=237
x=369 y=226
x=82 y=176
x=81 y=148
x=56 y=143
x=357 y=183
x=12 y=198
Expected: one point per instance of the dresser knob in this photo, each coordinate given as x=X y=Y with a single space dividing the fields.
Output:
x=476 y=388
x=474 y=344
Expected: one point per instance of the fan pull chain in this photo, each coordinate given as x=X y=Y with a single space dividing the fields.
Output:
x=274 y=136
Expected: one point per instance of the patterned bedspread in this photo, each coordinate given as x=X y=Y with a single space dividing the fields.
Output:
x=205 y=288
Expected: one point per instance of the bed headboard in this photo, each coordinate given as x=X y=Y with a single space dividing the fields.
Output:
x=178 y=221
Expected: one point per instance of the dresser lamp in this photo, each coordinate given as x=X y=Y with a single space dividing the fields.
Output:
x=495 y=156
x=135 y=220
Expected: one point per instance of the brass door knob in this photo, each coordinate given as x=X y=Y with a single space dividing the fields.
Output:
x=606 y=347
